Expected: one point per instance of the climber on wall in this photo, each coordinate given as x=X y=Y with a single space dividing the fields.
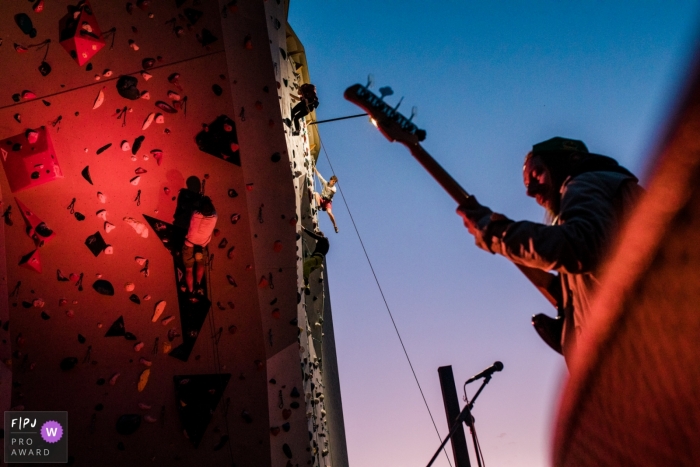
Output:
x=324 y=199
x=199 y=234
x=308 y=103
x=315 y=261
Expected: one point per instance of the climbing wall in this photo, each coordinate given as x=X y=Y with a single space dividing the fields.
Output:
x=114 y=118
x=290 y=72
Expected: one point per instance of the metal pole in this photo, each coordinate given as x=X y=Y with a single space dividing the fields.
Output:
x=449 y=397
x=336 y=119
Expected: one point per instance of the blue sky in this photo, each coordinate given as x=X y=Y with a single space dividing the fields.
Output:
x=489 y=80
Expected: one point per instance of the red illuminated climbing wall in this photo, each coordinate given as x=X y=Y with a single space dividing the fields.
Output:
x=181 y=98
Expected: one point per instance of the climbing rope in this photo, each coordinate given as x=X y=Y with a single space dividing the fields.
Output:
x=386 y=304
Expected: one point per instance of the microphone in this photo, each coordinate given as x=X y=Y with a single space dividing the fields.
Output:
x=487 y=373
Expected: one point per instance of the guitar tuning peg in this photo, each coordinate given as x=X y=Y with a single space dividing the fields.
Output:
x=397 y=105
x=370 y=81
x=385 y=91
x=414 y=112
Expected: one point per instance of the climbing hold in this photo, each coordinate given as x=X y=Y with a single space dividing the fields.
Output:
x=294 y=393
x=45 y=316
x=148 y=121
x=103 y=149
x=174 y=96
x=139 y=227
x=275 y=430
x=248 y=42
x=231 y=280
x=217 y=89
x=32 y=136
x=86 y=174
x=135 y=298
x=146 y=75
x=135 y=181
x=101 y=197
x=117 y=328
x=129 y=286
x=235 y=218
x=276 y=313
x=25 y=24
x=232 y=329
x=165 y=107
x=287 y=450
x=222 y=442
x=143 y=379
x=99 y=99
x=128 y=424
x=125 y=145
x=109 y=249
x=145 y=95
x=286 y=413
x=159 y=118
x=277 y=246
x=232 y=193
x=138 y=346
x=31 y=261
x=275 y=157
x=140 y=171
x=167 y=320
x=109 y=227
x=103 y=287
x=38 y=6
x=158 y=310
x=230 y=252
x=263 y=282
x=18 y=117
x=126 y=87
x=286 y=427
x=137 y=144
x=102 y=214
x=129 y=336
x=147 y=63
x=81 y=338
x=68 y=363
x=246 y=416
x=95 y=244
x=223 y=243
x=150 y=419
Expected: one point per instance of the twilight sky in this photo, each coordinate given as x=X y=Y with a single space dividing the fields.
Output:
x=489 y=80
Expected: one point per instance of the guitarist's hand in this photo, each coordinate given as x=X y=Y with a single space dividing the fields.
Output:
x=473 y=214
x=486 y=225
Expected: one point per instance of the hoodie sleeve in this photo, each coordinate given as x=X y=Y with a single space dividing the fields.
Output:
x=575 y=245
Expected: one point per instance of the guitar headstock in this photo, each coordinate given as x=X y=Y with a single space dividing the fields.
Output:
x=393 y=125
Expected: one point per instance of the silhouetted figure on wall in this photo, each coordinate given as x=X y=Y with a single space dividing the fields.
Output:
x=308 y=103
x=587 y=196
x=199 y=233
x=315 y=260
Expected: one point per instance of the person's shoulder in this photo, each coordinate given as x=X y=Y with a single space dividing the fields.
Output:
x=597 y=178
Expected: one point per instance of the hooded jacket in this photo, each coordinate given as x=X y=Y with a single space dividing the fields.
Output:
x=595 y=200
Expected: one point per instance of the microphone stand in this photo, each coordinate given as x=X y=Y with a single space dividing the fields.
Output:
x=464 y=416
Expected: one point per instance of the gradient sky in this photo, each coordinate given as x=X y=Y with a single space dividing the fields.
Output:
x=489 y=79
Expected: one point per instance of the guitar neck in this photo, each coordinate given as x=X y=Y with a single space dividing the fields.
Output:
x=445 y=180
x=546 y=283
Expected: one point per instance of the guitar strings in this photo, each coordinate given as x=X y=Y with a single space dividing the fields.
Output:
x=386 y=304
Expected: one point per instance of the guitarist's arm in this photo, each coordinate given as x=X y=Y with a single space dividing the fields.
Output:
x=574 y=245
